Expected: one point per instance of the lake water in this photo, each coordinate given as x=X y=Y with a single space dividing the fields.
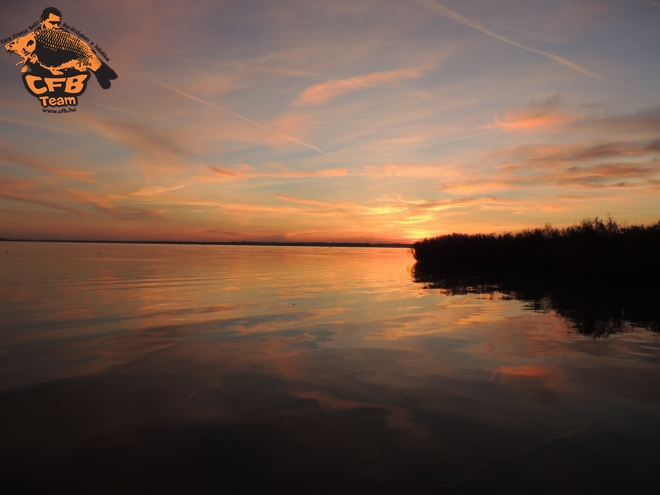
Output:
x=241 y=369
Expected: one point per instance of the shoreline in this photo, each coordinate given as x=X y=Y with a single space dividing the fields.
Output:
x=225 y=243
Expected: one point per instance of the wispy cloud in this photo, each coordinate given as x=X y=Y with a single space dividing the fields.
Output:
x=109 y=206
x=545 y=115
x=153 y=146
x=257 y=124
x=651 y=2
x=438 y=204
x=554 y=114
x=275 y=171
x=645 y=121
x=156 y=190
x=323 y=92
x=385 y=206
x=552 y=156
x=586 y=166
x=223 y=171
x=235 y=207
x=323 y=204
x=140 y=114
x=39 y=125
x=455 y=16
x=40 y=202
x=9 y=154
x=65 y=198
x=409 y=171
x=593 y=161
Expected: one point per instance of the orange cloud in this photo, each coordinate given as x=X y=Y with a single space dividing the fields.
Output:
x=409 y=170
x=313 y=202
x=278 y=171
x=598 y=165
x=535 y=117
x=323 y=92
x=552 y=114
x=397 y=210
x=40 y=202
x=528 y=379
x=9 y=154
x=530 y=120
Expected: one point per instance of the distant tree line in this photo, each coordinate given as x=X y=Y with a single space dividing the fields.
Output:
x=594 y=248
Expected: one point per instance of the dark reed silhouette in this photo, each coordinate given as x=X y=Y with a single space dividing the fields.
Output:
x=598 y=275
x=594 y=249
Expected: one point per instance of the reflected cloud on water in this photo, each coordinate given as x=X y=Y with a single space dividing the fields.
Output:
x=201 y=369
x=592 y=308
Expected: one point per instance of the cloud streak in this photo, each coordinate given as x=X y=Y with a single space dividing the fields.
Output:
x=586 y=166
x=146 y=115
x=257 y=124
x=9 y=154
x=535 y=117
x=319 y=94
x=279 y=172
x=455 y=16
x=551 y=114
x=410 y=209
x=48 y=204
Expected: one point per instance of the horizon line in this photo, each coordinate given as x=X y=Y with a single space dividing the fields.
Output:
x=227 y=243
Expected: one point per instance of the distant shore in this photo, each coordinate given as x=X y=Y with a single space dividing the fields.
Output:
x=226 y=243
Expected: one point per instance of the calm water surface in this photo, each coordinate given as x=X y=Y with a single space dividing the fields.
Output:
x=239 y=369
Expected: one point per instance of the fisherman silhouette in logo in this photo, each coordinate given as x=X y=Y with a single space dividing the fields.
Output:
x=51 y=18
x=52 y=51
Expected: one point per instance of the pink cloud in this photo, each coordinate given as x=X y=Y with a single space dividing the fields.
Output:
x=8 y=154
x=545 y=115
x=277 y=171
x=323 y=92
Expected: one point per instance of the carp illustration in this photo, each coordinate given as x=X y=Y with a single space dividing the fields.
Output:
x=57 y=50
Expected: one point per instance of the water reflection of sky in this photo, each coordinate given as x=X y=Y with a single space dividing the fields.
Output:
x=323 y=370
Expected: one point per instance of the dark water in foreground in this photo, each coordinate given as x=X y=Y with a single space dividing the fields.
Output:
x=222 y=369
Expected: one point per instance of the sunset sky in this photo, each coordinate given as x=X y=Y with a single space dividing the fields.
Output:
x=357 y=120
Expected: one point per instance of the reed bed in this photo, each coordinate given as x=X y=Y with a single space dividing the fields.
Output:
x=598 y=249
